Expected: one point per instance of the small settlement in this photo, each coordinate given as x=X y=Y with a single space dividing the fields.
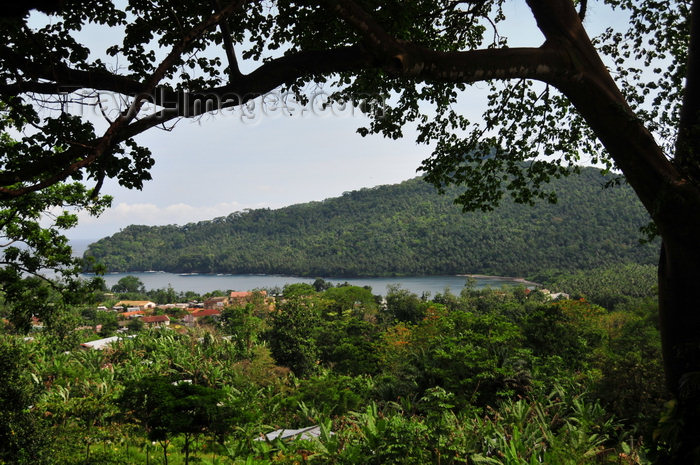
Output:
x=147 y=314
x=187 y=313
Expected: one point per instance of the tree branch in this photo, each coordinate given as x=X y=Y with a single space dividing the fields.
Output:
x=63 y=77
x=594 y=93
x=372 y=32
x=687 y=156
x=582 y=9
x=111 y=135
x=233 y=70
x=180 y=47
x=567 y=60
x=35 y=87
x=544 y=64
x=269 y=76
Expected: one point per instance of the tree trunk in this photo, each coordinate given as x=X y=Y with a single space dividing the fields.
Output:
x=679 y=317
x=669 y=192
x=164 y=445
x=679 y=264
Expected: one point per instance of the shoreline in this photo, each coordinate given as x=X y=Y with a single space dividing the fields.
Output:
x=210 y=282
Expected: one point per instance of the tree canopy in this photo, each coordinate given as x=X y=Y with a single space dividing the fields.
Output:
x=628 y=98
x=423 y=56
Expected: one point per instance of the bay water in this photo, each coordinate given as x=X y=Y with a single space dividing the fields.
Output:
x=202 y=283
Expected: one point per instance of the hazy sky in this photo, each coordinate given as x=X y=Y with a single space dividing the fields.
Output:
x=221 y=164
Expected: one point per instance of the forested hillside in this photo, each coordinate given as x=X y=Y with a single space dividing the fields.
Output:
x=404 y=229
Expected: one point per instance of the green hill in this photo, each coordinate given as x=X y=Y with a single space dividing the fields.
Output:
x=403 y=229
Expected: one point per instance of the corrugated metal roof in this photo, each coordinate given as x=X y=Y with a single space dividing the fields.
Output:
x=285 y=434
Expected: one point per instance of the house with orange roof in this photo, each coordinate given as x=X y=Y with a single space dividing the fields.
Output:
x=130 y=315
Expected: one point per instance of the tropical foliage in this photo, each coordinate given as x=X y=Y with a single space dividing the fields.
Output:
x=488 y=376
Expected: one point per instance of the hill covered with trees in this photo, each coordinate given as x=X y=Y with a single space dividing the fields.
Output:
x=403 y=229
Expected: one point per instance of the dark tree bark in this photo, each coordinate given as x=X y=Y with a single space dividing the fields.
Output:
x=679 y=265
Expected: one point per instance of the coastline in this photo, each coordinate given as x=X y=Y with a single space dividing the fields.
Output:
x=203 y=283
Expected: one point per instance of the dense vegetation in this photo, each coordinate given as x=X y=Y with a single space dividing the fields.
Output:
x=608 y=287
x=487 y=376
x=404 y=229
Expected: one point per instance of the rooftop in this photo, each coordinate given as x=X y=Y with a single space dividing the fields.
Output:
x=155 y=319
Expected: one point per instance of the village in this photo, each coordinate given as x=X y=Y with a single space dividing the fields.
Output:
x=133 y=316
x=136 y=315
x=125 y=318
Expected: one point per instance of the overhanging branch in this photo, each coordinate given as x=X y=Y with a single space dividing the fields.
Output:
x=233 y=69
x=688 y=142
x=111 y=136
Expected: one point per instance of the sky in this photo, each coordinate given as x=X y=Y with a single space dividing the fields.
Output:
x=222 y=165
x=219 y=164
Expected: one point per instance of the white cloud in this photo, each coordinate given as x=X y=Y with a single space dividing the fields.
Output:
x=125 y=214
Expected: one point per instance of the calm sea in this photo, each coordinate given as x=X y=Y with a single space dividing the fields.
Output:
x=202 y=283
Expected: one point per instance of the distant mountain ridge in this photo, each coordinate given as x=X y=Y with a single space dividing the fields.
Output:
x=402 y=229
